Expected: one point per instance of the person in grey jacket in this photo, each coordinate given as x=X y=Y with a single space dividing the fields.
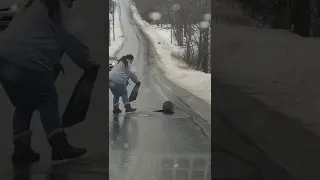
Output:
x=118 y=80
x=30 y=52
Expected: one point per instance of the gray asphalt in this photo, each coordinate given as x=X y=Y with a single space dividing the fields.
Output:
x=142 y=145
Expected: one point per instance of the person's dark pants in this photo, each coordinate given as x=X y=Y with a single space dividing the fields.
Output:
x=29 y=91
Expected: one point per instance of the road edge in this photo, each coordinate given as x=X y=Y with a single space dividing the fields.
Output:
x=190 y=100
x=122 y=39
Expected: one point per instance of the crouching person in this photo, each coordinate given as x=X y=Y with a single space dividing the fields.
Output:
x=30 y=50
x=118 y=80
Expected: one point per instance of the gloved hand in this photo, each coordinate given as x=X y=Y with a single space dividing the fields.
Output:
x=96 y=66
x=93 y=67
x=138 y=83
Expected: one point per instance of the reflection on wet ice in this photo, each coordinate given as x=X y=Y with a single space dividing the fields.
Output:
x=173 y=167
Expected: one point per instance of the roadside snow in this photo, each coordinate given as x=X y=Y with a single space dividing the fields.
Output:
x=277 y=67
x=117 y=43
x=196 y=82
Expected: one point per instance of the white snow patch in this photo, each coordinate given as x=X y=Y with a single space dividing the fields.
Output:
x=280 y=68
x=117 y=43
x=196 y=82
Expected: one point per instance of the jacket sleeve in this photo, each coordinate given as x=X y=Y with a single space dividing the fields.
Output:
x=132 y=76
x=76 y=50
x=71 y=40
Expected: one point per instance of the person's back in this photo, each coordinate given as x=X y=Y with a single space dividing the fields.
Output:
x=29 y=41
x=118 y=81
x=33 y=41
x=30 y=49
x=118 y=74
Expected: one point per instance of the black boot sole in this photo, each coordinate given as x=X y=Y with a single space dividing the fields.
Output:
x=131 y=111
x=63 y=157
x=24 y=160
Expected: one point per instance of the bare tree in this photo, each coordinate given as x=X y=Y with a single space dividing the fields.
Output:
x=184 y=17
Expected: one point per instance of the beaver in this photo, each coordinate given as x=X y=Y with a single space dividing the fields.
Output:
x=167 y=108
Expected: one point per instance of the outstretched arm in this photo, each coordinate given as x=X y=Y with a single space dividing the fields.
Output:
x=66 y=35
x=132 y=76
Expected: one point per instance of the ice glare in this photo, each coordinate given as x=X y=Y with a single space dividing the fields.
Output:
x=204 y=24
x=175 y=165
x=207 y=17
x=176 y=7
x=155 y=16
x=14 y=7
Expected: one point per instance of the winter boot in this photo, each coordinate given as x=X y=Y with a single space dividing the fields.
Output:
x=61 y=149
x=129 y=108
x=116 y=109
x=22 y=153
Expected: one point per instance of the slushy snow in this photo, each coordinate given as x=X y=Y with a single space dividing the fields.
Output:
x=196 y=82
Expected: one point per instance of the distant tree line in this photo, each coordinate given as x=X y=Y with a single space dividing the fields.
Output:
x=298 y=16
x=184 y=17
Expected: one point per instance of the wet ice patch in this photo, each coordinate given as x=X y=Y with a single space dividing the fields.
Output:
x=143 y=115
x=155 y=16
x=179 y=114
x=147 y=90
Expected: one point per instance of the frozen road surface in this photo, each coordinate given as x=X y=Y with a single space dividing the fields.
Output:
x=142 y=146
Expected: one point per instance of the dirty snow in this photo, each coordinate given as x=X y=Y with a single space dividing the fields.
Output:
x=196 y=82
x=117 y=43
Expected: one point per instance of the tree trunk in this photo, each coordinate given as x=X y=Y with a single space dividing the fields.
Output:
x=109 y=33
x=301 y=18
x=114 y=9
x=188 y=42
x=204 y=65
x=282 y=15
x=200 y=53
x=314 y=18
x=179 y=34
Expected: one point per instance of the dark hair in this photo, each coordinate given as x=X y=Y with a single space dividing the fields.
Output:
x=27 y=4
x=129 y=56
x=53 y=9
x=124 y=60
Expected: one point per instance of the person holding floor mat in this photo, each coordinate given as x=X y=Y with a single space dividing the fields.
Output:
x=118 y=80
x=30 y=53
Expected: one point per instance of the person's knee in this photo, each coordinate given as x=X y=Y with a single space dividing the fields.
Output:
x=49 y=98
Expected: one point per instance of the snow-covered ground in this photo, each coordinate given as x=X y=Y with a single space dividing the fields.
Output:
x=196 y=82
x=277 y=67
x=117 y=43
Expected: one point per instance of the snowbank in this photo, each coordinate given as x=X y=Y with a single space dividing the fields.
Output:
x=196 y=82
x=278 y=67
x=117 y=43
